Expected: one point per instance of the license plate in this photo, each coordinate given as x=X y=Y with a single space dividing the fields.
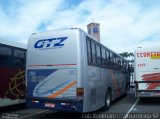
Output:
x=51 y=105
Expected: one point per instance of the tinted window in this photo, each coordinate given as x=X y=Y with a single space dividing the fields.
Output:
x=5 y=55
x=111 y=59
x=19 y=53
x=98 y=54
x=5 y=50
x=89 y=51
x=93 y=53
x=103 y=57
x=19 y=58
x=108 y=58
x=119 y=62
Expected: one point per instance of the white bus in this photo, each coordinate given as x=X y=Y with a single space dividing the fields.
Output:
x=69 y=71
x=147 y=72
x=12 y=72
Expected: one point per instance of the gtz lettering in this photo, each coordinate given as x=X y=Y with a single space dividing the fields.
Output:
x=50 y=43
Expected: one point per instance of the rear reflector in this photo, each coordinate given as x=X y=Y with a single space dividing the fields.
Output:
x=65 y=104
x=80 y=93
x=35 y=101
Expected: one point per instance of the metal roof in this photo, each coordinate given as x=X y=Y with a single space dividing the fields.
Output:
x=14 y=44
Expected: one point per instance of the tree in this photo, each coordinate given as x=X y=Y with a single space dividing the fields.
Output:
x=128 y=56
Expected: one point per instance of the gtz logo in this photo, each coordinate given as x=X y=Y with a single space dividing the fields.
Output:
x=50 y=43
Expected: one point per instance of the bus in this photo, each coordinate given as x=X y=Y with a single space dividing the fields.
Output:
x=12 y=72
x=147 y=72
x=67 y=70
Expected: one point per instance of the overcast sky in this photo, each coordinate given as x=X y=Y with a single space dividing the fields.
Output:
x=124 y=24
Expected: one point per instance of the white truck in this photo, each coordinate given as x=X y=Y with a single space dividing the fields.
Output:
x=147 y=72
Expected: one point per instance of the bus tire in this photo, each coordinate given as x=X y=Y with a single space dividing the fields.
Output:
x=107 y=101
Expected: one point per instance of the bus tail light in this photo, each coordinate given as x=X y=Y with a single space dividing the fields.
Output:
x=80 y=93
x=35 y=101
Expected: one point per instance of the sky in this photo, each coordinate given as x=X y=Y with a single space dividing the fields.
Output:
x=124 y=24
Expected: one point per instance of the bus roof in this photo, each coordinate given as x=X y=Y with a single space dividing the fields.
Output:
x=14 y=44
x=147 y=48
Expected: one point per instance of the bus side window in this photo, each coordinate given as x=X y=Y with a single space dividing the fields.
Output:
x=111 y=60
x=107 y=58
x=115 y=61
x=19 y=57
x=5 y=55
x=118 y=63
x=98 y=55
x=103 y=57
x=121 y=64
x=93 y=53
x=89 y=51
x=124 y=65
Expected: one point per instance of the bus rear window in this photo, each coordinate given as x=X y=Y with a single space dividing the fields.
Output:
x=19 y=53
x=19 y=57
x=5 y=55
x=5 y=50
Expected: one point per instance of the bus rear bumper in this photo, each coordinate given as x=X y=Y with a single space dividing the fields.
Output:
x=147 y=93
x=55 y=104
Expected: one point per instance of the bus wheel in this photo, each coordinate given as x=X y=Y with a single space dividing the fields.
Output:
x=107 y=101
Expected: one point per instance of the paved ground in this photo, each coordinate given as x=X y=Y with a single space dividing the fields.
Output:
x=123 y=108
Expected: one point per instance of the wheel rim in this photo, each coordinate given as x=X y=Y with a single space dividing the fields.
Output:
x=108 y=100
